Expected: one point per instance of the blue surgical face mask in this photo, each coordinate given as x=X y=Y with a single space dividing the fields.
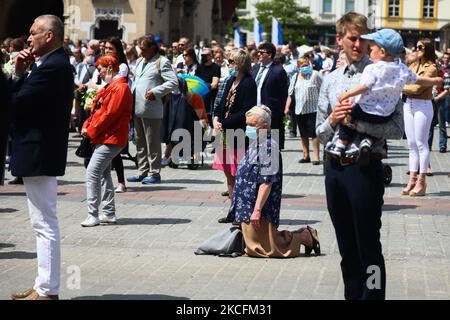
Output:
x=233 y=72
x=306 y=70
x=251 y=133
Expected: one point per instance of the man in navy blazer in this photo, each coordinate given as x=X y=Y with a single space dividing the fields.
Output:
x=273 y=84
x=41 y=104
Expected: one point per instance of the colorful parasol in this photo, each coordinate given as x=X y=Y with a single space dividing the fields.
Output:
x=195 y=84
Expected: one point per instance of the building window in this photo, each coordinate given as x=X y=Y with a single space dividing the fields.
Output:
x=428 y=8
x=327 y=6
x=394 y=8
x=349 y=5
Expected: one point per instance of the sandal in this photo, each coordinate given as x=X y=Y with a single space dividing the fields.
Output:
x=315 y=243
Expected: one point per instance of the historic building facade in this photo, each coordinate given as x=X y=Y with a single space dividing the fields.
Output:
x=128 y=19
x=413 y=18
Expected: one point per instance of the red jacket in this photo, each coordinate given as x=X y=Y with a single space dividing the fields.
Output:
x=110 y=122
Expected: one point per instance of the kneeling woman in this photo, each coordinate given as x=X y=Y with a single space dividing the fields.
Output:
x=257 y=196
x=107 y=128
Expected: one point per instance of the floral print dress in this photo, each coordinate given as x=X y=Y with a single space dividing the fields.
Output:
x=262 y=163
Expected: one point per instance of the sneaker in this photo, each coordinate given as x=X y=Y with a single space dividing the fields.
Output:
x=90 y=221
x=352 y=151
x=334 y=150
x=104 y=219
x=136 y=178
x=165 y=161
x=366 y=144
x=120 y=188
x=152 y=180
x=365 y=152
x=443 y=150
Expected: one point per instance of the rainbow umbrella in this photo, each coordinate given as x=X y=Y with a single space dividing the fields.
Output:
x=195 y=84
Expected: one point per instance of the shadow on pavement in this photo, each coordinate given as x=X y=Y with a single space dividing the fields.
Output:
x=399 y=207
x=146 y=188
x=23 y=194
x=8 y=210
x=68 y=183
x=440 y=173
x=18 y=255
x=302 y=174
x=75 y=164
x=193 y=181
x=292 y=196
x=289 y=222
x=131 y=297
x=396 y=164
x=7 y=245
x=435 y=194
x=151 y=221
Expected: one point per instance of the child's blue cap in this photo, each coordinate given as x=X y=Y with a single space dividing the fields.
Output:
x=388 y=39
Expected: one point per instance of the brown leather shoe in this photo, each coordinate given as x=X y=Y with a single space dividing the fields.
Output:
x=21 y=295
x=35 y=296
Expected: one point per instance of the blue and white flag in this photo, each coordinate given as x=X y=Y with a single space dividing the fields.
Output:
x=257 y=32
x=238 y=41
x=277 y=32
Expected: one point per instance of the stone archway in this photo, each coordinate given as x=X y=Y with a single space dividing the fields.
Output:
x=17 y=16
x=108 y=23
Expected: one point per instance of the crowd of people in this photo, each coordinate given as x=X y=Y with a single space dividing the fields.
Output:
x=350 y=100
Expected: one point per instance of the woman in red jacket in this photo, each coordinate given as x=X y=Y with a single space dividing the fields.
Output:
x=107 y=128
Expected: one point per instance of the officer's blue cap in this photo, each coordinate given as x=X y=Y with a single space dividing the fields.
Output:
x=388 y=39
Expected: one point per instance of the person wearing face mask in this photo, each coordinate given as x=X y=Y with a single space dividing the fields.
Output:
x=210 y=73
x=238 y=97
x=257 y=196
x=84 y=73
x=303 y=98
x=107 y=128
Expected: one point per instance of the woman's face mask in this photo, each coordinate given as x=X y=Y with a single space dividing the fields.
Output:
x=306 y=70
x=251 y=133
x=233 y=72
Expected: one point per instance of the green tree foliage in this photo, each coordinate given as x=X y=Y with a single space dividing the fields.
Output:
x=287 y=12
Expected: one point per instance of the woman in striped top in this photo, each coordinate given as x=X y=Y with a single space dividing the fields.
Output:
x=304 y=97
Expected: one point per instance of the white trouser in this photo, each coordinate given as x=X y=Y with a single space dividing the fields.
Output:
x=418 y=115
x=42 y=193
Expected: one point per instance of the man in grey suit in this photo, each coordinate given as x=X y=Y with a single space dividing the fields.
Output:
x=154 y=79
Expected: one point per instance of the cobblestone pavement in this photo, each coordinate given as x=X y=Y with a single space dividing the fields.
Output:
x=149 y=254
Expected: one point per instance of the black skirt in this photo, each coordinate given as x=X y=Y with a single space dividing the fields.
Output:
x=307 y=124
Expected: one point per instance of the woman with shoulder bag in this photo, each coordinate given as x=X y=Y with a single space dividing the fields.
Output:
x=107 y=129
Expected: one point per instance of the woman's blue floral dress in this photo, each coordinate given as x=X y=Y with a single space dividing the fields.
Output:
x=261 y=164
